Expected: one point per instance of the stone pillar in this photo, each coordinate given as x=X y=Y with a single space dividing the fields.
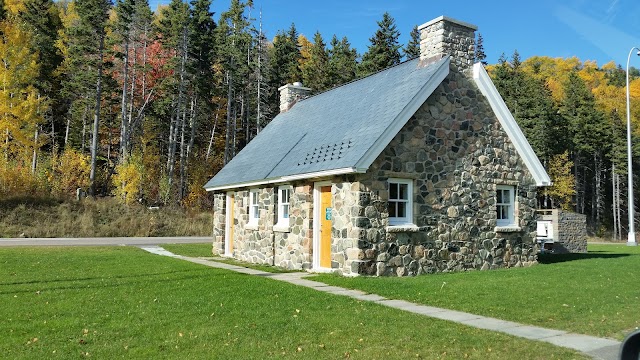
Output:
x=290 y=94
x=445 y=36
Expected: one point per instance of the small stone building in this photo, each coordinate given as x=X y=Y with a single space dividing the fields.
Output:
x=419 y=168
x=562 y=232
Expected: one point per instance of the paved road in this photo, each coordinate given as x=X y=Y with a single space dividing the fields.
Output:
x=104 y=241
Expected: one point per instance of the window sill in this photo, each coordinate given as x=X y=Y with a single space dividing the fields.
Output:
x=251 y=226
x=508 y=229
x=281 y=228
x=402 y=228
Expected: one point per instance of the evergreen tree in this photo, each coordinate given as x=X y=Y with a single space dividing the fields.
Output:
x=293 y=69
x=384 y=50
x=531 y=104
x=3 y=12
x=480 y=56
x=282 y=68
x=590 y=145
x=315 y=72
x=342 y=61
x=89 y=47
x=235 y=41
x=174 y=28
x=412 y=50
x=42 y=20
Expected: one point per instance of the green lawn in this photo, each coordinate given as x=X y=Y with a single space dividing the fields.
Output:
x=204 y=250
x=121 y=302
x=596 y=293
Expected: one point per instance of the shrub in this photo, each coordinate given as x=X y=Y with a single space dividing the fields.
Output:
x=128 y=180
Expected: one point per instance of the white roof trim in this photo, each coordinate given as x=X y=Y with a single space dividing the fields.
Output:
x=317 y=174
x=510 y=125
x=403 y=117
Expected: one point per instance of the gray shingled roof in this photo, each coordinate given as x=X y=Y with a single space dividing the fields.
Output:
x=343 y=129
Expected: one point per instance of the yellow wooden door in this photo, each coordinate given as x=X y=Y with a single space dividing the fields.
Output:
x=231 y=218
x=325 y=226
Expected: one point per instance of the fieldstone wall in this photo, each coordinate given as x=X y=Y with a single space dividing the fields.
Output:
x=572 y=232
x=456 y=151
x=293 y=247
x=349 y=222
x=569 y=231
x=263 y=243
x=219 y=221
x=448 y=36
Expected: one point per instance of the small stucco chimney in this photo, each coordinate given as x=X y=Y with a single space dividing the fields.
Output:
x=446 y=36
x=290 y=94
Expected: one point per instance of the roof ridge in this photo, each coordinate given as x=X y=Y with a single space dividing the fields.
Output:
x=362 y=78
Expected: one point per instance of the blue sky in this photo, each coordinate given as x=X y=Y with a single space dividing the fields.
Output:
x=600 y=30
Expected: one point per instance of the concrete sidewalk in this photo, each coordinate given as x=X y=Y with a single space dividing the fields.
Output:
x=597 y=348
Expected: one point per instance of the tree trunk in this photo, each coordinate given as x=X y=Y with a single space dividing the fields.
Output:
x=96 y=122
x=213 y=133
x=179 y=107
x=227 y=142
x=123 y=104
x=34 y=159
x=614 y=204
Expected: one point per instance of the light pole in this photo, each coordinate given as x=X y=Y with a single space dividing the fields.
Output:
x=631 y=238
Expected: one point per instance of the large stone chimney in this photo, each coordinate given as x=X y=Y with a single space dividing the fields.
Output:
x=446 y=36
x=290 y=94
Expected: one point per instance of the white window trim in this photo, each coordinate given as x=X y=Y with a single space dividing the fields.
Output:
x=511 y=220
x=408 y=219
x=253 y=195
x=283 y=223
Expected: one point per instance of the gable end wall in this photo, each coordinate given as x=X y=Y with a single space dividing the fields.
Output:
x=456 y=151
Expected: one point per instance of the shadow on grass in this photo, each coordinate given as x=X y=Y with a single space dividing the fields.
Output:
x=558 y=258
x=113 y=282
x=97 y=278
x=32 y=201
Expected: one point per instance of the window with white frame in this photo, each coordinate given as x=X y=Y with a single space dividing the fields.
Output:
x=254 y=212
x=400 y=201
x=284 y=193
x=505 y=205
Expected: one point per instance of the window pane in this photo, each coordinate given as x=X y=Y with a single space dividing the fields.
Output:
x=393 y=191
x=402 y=210
x=285 y=211
x=506 y=196
x=499 y=196
x=392 y=209
x=404 y=191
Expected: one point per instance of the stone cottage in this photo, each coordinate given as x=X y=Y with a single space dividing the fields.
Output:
x=419 y=168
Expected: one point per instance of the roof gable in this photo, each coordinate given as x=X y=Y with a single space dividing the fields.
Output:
x=336 y=132
x=510 y=126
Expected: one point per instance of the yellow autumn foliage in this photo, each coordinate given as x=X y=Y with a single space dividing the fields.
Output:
x=305 y=50
x=69 y=172
x=563 y=188
x=20 y=105
x=16 y=179
x=127 y=181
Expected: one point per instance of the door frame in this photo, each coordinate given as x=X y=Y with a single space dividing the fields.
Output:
x=317 y=213
x=228 y=223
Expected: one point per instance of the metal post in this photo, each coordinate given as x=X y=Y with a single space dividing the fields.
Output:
x=631 y=238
